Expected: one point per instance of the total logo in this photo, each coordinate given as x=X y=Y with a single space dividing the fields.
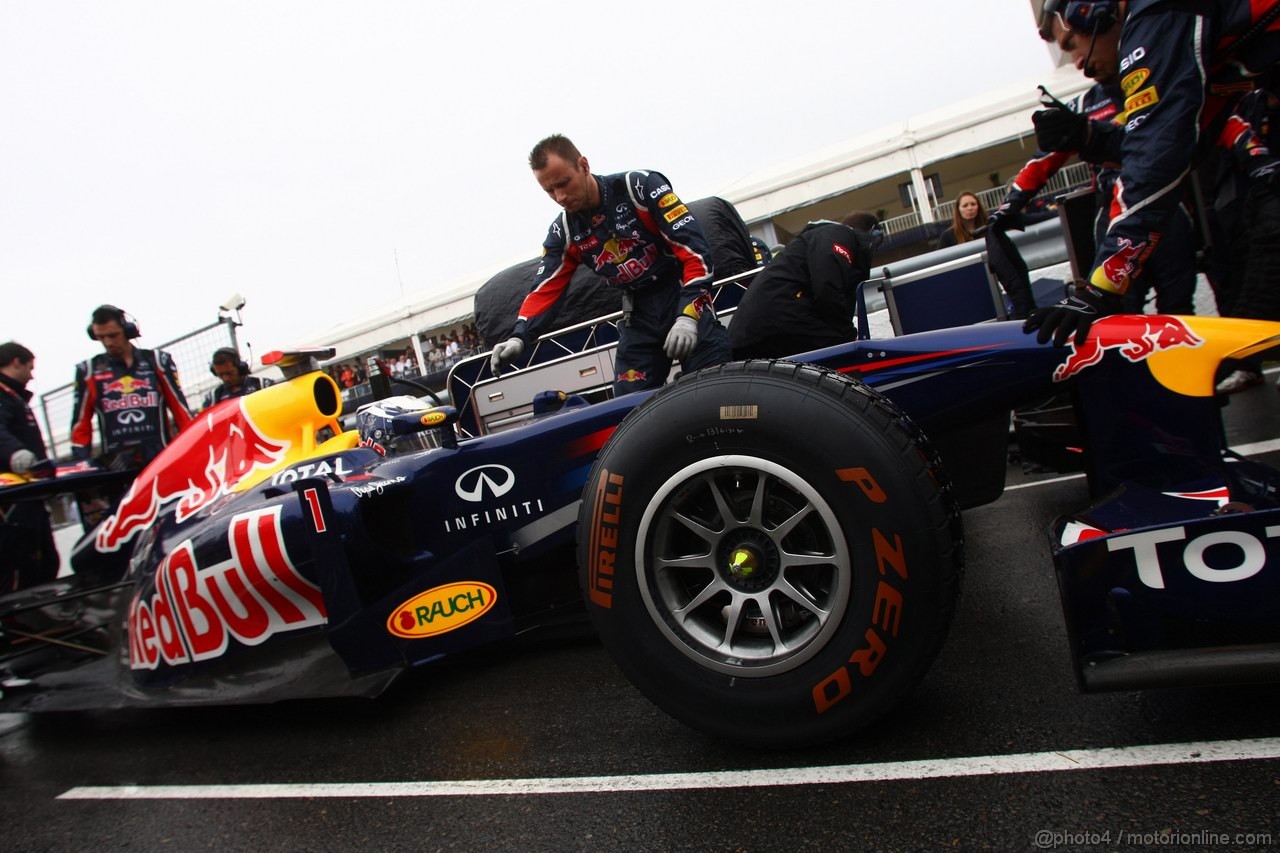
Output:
x=319 y=469
x=495 y=479
x=1248 y=553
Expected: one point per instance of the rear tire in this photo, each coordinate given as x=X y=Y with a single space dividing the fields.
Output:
x=770 y=551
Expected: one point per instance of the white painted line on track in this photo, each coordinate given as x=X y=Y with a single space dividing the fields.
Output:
x=1254 y=449
x=989 y=765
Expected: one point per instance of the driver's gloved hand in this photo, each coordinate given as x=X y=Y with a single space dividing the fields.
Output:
x=504 y=353
x=1072 y=316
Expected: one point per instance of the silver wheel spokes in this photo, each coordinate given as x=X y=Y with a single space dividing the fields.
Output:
x=746 y=565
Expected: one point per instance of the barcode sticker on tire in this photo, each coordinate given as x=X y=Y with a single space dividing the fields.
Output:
x=739 y=413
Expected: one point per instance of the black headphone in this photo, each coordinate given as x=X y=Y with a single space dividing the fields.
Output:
x=1091 y=17
x=109 y=313
x=230 y=354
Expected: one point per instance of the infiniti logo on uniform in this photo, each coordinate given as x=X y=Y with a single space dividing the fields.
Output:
x=497 y=479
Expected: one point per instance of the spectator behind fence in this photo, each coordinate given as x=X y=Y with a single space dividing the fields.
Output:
x=805 y=299
x=28 y=555
x=133 y=393
x=234 y=373
x=967 y=217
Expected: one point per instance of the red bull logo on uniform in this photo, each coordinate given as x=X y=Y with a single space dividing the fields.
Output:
x=209 y=457
x=615 y=250
x=632 y=375
x=1115 y=270
x=126 y=385
x=1136 y=336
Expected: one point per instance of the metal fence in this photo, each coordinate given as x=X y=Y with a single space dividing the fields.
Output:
x=191 y=352
x=1068 y=177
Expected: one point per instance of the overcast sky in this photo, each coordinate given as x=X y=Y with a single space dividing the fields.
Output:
x=331 y=157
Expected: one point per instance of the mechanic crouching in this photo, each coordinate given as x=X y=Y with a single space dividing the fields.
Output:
x=632 y=229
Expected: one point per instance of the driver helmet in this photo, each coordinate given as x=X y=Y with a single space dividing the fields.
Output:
x=373 y=422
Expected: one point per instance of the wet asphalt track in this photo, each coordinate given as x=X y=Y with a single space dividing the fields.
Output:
x=559 y=709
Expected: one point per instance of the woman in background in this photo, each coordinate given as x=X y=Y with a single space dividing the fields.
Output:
x=968 y=216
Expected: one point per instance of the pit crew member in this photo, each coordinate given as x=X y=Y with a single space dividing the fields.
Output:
x=804 y=300
x=1182 y=67
x=133 y=393
x=632 y=229
x=1171 y=267
x=234 y=373
x=28 y=555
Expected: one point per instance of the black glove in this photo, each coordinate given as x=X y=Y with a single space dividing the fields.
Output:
x=1073 y=315
x=1003 y=218
x=1060 y=129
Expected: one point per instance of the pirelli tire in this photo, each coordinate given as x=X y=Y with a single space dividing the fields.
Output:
x=771 y=552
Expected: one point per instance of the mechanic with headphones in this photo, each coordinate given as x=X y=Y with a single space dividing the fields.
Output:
x=805 y=299
x=1183 y=66
x=1171 y=267
x=234 y=373
x=133 y=393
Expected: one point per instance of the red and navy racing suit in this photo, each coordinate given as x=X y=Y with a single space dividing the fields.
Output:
x=1180 y=79
x=1171 y=268
x=28 y=555
x=641 y=238
x=130 y=403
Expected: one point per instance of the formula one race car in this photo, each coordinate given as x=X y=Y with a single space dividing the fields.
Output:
x=771 y=550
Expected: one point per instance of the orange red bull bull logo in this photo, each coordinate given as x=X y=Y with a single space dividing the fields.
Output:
x=216 y=451
x=615 y=250
x=126 y=385
x=195 y=613
x=1135 y=336
x=632 y=375
x=1115 y=270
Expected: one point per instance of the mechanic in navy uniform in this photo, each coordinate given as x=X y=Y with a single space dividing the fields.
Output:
x=632 y=229
x=234 y=373
x=28 y=555
x=1183 y=67
x=133 y=393
x=805 y=299
x=1171 y=268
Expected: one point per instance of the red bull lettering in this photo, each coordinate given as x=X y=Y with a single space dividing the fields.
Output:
x=218 y=449
x=1135 y=336
x=194 y=614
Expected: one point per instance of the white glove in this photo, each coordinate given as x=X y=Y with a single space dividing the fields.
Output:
x=503 y=353
x=682 y=338
x=20 y=461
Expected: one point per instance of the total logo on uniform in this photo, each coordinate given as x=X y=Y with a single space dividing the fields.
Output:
x=487 y=483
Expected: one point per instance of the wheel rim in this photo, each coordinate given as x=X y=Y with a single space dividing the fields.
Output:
x=742 y=565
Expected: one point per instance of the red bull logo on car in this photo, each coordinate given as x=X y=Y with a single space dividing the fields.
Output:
x=216 y=451
x=194 y=613
x=1135 y=336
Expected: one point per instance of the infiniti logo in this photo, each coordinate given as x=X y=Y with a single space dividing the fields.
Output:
x=498 y=479
x=130 y=416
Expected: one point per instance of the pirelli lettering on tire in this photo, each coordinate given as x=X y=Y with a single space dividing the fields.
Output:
x=604 y=539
